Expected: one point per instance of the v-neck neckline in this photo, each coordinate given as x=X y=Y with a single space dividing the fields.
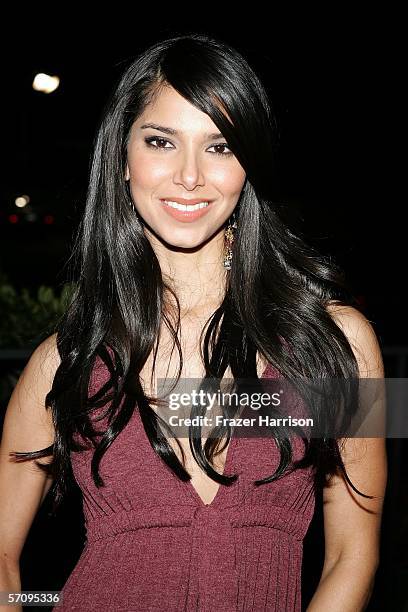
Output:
x=194 y=491
x=228 y=460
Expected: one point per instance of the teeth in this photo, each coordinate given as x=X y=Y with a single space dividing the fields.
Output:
x=184 y=207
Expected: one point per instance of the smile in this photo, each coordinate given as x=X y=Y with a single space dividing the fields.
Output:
x=186 y=213
x=184 y=207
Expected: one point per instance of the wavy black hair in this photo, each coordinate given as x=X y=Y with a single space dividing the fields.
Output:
x=113 y=261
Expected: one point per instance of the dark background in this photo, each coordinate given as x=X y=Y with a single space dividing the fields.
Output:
x=330 y=80
x=329 y=89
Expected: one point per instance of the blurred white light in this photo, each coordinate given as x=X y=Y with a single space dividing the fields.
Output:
x=22 y=201
x=45 y=83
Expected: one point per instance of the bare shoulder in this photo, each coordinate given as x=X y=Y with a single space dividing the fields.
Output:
x=28 y=426
x=361 y=336
x=27 y=403
x=348 y=317
x=352 y=523
x=48 y=353
x=44 y=363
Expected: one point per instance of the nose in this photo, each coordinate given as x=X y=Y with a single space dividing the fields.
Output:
x=189 y=171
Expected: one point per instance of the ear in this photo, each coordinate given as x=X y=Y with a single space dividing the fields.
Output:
x=127 y=174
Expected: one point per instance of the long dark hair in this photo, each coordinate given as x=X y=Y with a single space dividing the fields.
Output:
x=119 y=299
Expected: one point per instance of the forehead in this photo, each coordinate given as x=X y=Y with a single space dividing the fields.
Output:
x=171 y=110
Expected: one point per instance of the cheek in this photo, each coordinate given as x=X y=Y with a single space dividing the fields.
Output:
x=229 y=180
x=145 y=170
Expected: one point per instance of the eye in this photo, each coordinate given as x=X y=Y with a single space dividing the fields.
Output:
x=224 y=145
x=149 y=140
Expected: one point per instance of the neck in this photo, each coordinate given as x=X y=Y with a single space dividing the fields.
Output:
x=197 y=275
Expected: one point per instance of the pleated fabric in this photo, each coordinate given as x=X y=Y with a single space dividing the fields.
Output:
x=152 y=544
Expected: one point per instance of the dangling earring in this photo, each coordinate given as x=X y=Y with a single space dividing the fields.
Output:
x=228 y=240
x=132 y=206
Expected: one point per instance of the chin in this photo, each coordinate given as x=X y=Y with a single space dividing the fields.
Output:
x=185 y=244
x=183 y=241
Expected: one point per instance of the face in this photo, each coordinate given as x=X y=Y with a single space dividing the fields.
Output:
x=190 y=163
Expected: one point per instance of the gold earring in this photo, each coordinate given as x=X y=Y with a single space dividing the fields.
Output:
x=228 y=241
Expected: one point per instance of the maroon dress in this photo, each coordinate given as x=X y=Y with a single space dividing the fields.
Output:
x=152 y=544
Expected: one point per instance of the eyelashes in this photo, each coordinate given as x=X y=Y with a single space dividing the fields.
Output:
x=151 y=139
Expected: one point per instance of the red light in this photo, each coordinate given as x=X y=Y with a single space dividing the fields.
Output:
x=48 y=219
x=13 y=218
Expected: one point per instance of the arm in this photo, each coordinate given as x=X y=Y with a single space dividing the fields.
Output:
x=351 y=522
x=23 y=486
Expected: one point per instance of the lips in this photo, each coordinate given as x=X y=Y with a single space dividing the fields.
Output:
x=186 y=216
x=185 y=201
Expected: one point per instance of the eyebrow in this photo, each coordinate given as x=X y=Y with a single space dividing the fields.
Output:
x=173 y=132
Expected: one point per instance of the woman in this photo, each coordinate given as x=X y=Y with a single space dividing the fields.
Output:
x=227 y=283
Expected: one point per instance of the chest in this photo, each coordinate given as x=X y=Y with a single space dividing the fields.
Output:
x=167 y=366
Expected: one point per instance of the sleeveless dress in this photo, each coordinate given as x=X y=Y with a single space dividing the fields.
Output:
x=152 y=544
